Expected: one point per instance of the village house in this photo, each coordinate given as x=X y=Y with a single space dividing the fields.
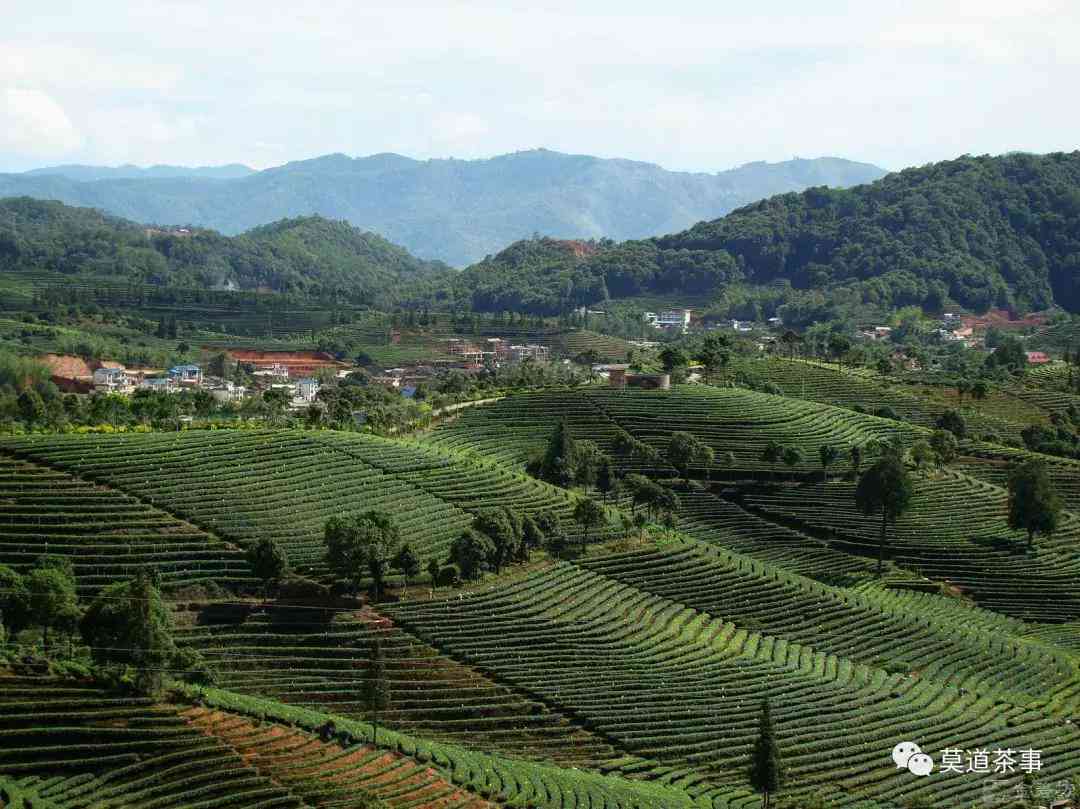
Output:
x=1037 y=357
x=225 y=391
x=307 y=389
x=530 y=352
x=672 y=319
x=187 y=376
x=113 y=380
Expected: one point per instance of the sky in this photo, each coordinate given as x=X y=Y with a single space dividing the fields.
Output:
x=695 y=86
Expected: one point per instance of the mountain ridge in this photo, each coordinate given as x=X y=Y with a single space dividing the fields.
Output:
x=447 y=209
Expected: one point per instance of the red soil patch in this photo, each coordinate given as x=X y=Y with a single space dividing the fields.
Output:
x=1004 y=319
x=299 y=363
x=268 y=749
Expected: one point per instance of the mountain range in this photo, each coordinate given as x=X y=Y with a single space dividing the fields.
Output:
x=457 y=211
x=975 y=232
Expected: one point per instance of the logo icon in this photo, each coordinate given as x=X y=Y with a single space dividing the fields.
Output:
x=909 y=756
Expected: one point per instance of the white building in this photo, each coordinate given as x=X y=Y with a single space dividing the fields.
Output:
x=164 y=384
x=529 y=352
x=307 y=389
x=678 y=319
x=225 y=391
x=112 y=380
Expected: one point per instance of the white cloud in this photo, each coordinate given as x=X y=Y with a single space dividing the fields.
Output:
x=34 y=124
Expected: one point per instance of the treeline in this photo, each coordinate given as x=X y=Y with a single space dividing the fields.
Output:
x=976 y=231
x=307 y=256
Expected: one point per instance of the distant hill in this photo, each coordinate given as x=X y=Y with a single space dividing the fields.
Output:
x=127 y=171
x=454 y=210
x=306 y=256
x=977 y=231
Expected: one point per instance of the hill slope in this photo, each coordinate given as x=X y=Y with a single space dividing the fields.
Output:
x=308 y=255
x=453 y=210
x=981 y=231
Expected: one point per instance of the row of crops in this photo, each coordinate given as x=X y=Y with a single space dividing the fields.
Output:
x=67 y=744
x=318 y=659
x=956 y=531
x=999 y=414
x=628 y=783
x=245 y=485
x=934 y=637
x=671 y=682
x=740 y=421
x=107 y=534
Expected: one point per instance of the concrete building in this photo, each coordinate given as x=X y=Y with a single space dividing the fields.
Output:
x=113 y=380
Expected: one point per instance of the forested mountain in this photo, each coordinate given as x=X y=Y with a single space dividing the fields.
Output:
x=977 y=231
x=83 y=173
x=454 y=210
x=306 y=255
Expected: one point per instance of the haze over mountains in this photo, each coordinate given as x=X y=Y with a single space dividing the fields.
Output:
x=457 y=211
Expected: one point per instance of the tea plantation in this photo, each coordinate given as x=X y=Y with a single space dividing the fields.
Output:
x=625 y=672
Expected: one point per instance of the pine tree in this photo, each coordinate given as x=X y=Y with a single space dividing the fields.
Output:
x=766 y=767
x=559 y=464
x=376 y=692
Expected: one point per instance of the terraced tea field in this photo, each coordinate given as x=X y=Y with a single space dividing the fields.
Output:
x=318 y=659
x=680 y=685
x=244 y=485
x=955 y=531
x=740 y=421
x=107 y=534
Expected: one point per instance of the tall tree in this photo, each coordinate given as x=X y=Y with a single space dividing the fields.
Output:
x=792 y=456
x=685 y=449
x=406 y=562
x=588 y=514
x=606 y=476
x=559 y=463
x=361 y=543
x=496 y=524
x=376 y=692
x=885 y=488
x=471 y=552
x=268 y=561
x=52 y=599
x=772 y=455
x=714 y=354
x=828 y=454
x=945 y=446
x=129 y=624
x=1034 y=505
x=766 y=765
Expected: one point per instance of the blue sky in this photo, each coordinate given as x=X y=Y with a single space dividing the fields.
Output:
x=699 y=86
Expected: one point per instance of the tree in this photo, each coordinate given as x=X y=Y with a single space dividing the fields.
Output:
x=587 y=464
x=884 y=366
x=268 y=561
x=792 y=457
x=953 y=422
x=52 y=599
x=962 y=387
x=470 y=552
x=685 y=449
x=129 y=624
x=945 y=446
x=640 y=521
x=496 y=524
x=433 y=572
x=839 y=345
x=588 y=514
x=766 y=765
x=14 y=601
x=376 y=693
x=406 y=562
x=1034 y=505
x=532 y=536
x=361 y=543
x=672 y=359
x=606 y=477
x=922 y=454
x=714 y=354
x=772 y=455
x=856 y=455
x=979 y=389
x=828 y=455
x=638 y=487
x=885 y=488
x=559 y=463
x=31 y=407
